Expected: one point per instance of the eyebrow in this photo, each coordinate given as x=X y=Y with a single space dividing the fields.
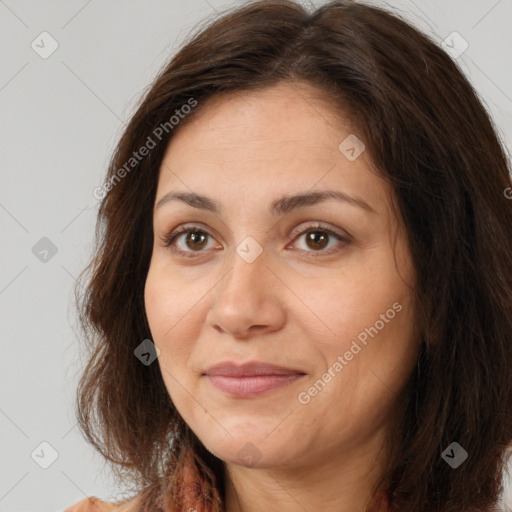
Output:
x=281 y=206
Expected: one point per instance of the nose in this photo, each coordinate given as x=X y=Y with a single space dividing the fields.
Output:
x=247 y=299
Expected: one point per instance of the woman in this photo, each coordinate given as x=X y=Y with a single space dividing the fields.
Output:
x=301 y=297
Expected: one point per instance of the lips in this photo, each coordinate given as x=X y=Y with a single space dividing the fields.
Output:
x=253 y=369
x=250 y=379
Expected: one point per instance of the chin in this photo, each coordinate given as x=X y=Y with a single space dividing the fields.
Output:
x=251 y=451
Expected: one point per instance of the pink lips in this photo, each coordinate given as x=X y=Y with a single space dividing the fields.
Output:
x=250 y=379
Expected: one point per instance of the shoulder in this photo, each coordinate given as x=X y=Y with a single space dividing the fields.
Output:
x=93 y=504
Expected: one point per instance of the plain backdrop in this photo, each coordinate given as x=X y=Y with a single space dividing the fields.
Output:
x=60 y=117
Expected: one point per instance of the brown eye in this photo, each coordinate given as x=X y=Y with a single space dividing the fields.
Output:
x=193 y=241
x=196 y=239
x=317 y=241
x=190 y=241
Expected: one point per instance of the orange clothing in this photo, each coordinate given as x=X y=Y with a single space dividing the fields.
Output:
x=93 y=504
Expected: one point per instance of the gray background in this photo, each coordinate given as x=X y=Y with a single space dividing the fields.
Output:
x=60 y=118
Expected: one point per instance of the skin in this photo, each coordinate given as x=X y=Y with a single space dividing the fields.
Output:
x=294 y=305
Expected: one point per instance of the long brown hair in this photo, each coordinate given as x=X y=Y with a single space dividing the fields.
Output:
x=429 y=135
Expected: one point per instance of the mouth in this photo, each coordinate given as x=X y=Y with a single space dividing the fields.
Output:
x=252 y=385
x=250 y=379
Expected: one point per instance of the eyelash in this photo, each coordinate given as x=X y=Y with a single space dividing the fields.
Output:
x=168 y=240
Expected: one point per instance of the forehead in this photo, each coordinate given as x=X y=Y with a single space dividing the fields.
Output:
x=284 y=114
x=284 y=137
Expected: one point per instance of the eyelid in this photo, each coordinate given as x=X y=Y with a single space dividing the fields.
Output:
x=320 y=226
x=168 y=239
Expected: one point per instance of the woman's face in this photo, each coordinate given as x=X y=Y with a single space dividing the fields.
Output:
x=318 y=286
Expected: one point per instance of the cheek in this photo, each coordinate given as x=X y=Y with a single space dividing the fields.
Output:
x=167 y=299
x=164 y=312
x=365 y=316
x=166 y=308
x=337 y=310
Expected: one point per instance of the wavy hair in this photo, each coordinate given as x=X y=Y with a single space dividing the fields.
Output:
x=428 y=133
